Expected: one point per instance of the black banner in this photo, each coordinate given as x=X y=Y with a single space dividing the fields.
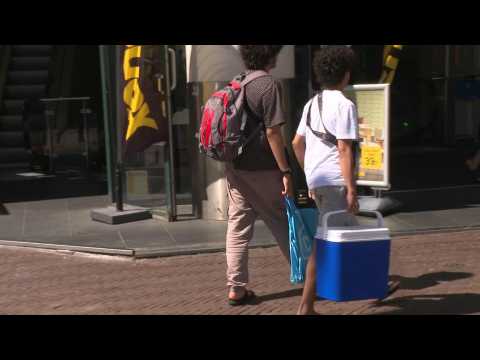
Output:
x=143 y=107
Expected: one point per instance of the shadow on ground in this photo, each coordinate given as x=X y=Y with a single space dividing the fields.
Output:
x=439 y=304
x=275 y=296
x=428 y=280
x=417 y=283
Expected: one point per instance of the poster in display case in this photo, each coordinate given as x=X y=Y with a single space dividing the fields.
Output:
x=373 y=106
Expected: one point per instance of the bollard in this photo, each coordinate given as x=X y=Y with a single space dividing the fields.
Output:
x=119 y=187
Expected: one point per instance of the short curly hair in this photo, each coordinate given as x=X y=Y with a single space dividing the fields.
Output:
x=259 y=57
x=332 y=63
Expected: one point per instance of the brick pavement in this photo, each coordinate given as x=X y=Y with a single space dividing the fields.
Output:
x=438 y=273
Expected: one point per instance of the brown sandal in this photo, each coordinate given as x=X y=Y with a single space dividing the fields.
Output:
x=249 y=295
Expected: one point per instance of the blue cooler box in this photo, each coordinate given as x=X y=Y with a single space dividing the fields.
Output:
x=352 y=262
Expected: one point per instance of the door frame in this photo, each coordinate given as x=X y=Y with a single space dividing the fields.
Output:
x=113 y=120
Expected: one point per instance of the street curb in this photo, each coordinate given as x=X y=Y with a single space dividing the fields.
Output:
x=145 y=253
x=149 y=253
x=437 y=230
x=86 y=249
x=134 y=253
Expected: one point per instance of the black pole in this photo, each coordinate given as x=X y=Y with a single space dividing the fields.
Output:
x=119 y=187
x=119 y=117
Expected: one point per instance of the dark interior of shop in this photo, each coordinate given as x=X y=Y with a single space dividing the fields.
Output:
x=61 y=74
x=434 y=121
x=429 y=144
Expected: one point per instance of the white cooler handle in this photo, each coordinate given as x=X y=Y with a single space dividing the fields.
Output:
x=379 y=216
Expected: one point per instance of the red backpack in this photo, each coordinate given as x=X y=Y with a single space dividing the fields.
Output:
x=224 y=119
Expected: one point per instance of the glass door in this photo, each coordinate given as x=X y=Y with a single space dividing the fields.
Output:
x=148 y=176
x=183 y=131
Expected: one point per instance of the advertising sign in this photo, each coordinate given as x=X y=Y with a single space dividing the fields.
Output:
x=142 y=107
x=373 y=106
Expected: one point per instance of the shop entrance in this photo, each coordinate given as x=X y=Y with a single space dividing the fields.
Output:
x=434 y=125
x=434 y=113
x=160 y=177
x=434 y=122
x=52 y=142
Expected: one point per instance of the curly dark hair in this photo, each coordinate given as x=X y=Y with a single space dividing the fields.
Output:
x=332 y=63
x=259 y=57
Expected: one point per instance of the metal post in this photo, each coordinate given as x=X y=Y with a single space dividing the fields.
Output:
x=106 y=91
x=48 y=112
x=85 y=112
x=197 y=168
x=119 y=187
x=446 y=97
x=119 y=117
x=171 y=178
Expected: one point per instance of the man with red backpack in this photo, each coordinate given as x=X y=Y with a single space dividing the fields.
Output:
x=241 y=126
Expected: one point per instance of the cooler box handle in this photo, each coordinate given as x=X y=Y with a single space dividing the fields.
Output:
x=379 y=216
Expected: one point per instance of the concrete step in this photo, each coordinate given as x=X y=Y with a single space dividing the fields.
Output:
x=14 y=155
x=27 y=77
x=16 y=167
x=12 y=139
x=25 y=91
x=32 y=50
x=15 y=122
x=29 y=63
x=11 y=123
x=13 y=107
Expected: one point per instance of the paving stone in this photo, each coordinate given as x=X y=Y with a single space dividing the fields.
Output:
x=438 y=273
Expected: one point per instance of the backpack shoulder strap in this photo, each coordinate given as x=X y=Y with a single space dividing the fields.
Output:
x=248 y=113
x=327 y=137
x=244 y=80
x=309 y=116
x=254 y=76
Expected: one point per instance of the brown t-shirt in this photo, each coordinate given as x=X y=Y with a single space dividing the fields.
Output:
x=264 y=100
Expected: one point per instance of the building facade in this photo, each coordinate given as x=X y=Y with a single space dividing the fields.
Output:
x=77 y=128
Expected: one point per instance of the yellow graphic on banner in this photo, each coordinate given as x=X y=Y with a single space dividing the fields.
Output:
x=371 y=158
x=390 y=63
x=137 y=108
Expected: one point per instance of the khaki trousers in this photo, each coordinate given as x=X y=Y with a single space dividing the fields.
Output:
x=252 y=195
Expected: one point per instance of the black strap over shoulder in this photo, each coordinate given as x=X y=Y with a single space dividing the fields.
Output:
x=249 y=113
x=327 y=136
x=246 y=79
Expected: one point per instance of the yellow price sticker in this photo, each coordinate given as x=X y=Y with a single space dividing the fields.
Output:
x=371 y=158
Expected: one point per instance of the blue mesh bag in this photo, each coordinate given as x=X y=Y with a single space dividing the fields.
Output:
x=302 y=224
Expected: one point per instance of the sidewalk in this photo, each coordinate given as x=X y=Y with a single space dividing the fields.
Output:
x=438 y=273
x=66 y=224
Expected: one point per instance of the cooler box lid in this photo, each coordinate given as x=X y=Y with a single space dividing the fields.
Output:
x=354 y=234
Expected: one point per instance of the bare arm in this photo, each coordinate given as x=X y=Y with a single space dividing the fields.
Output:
x=299 y=146
x=275 y=139
x=345 y=149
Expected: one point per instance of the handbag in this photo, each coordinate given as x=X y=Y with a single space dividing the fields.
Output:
x=302 y=226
